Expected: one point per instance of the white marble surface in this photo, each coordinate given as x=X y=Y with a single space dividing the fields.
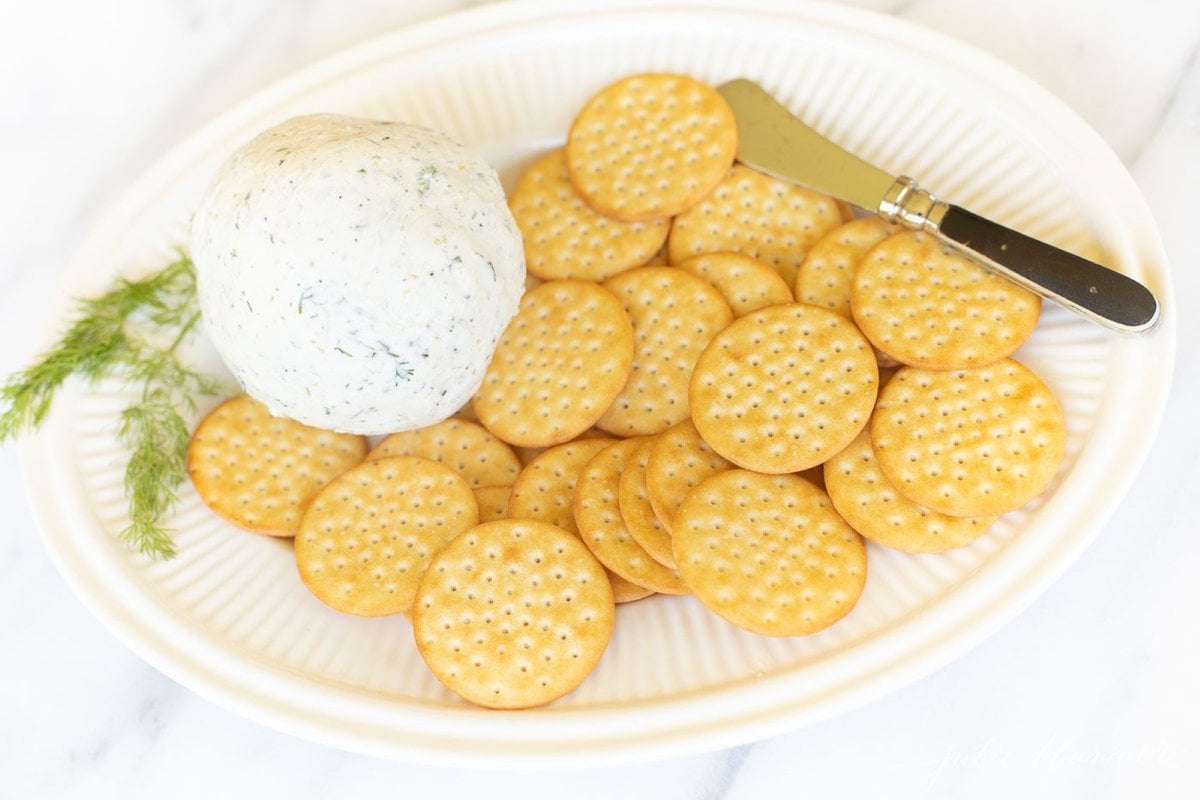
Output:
x=1092 y=692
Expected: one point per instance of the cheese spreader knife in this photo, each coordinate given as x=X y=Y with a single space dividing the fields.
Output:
x=772 y=140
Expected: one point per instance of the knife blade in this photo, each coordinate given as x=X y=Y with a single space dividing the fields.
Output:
x=773 y=140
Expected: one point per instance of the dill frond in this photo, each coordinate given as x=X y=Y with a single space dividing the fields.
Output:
x=109 y=338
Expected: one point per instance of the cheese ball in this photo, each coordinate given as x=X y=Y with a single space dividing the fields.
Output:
x=356 y=275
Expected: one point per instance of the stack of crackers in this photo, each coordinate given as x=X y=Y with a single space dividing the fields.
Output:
x=690 y=400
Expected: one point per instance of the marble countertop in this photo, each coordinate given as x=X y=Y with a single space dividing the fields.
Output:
x=1092 y=692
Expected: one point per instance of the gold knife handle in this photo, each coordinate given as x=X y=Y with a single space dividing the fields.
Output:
x=1087 y=288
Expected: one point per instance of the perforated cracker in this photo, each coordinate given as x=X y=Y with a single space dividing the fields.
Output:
x=565 y=238
x=675 y=315
x=759 y=216
x=746 y=284
x=259 y=471
x=513 y=614
x=650 y=146
x=969 y=443
x=625 y=591
x=633 y=498
x=559 y=365
x=925 y=305
x=464 y=446
x=598 y=517
x=825 y=275
x=769 y=553
x=784 y=388
x=367 y=537
x=866 y=499
x=493 y=502
x=678 y=461
x=545 y=488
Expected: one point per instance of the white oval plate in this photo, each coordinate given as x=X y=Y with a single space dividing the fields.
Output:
x=230 y=619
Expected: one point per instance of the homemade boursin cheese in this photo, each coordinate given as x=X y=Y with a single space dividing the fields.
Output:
x=356 y=275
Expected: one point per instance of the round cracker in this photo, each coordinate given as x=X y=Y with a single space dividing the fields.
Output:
x=367 y=537
x=746 y=284
x=650 y=146
x=633 y=498
x=513 y=614
x=565 y=238
x=866 y=499
x=825 y=276
x=559 y=365
x=674 y=315
x=545 y=489
x=259 y=471
x=598 y=517
x=783 y=389
x=759 y=216
x=625 y=591
x=769 y=553
x=924 y=305
x=969 y=443
x=678 y=461
x=493 y=502
x=464 y=446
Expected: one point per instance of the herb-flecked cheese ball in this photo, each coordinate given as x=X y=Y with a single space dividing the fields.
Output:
x=356 y=275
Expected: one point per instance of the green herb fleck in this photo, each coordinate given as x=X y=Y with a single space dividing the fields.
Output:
x=426 y=175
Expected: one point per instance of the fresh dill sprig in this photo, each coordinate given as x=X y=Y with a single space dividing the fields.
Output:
x=113 y=336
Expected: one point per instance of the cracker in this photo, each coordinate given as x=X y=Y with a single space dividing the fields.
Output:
x=624 y=591
x=747 y=285
x=513 y=614
x=969 y=443
x=675 y=315
x=650 y=146
x=759 y=216
x=825 y=276
x=866 y=499
x=464 y=446
x=367 y=537
x=924 y=305
x=493 y=502
x=559 y=365
x=678 y=461
x=633 y=498
x=545 y=488
x=769 y=553
x=565 y=238
x=598 y=516
x=783 y=389
x=260 y=471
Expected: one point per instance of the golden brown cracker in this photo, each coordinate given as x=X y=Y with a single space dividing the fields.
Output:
x=565 y=238
x=598 y=517
x=769 y=553
x=926 y=306
x=260 y=471
x=367 y=537
x=464 y=446
x=493 y=502
x=969 y=443
x=677 y=462
x=650 y=146
x=545 y=488
x=783 y=389
x=625 y=591
x=759 y=216
x=866 y=499
x=746 y=284
x=633 y=498
x=827 y=272
x=513 y=614
x=674 y=317
x=559 y=365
